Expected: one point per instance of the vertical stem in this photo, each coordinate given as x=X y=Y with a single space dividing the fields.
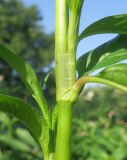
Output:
x=72 y=33
x=65 y=77
x=73 y=28
x=60 y=44
x=64 y=61
x=64 y=127
x=65 y=68
x=61 y=26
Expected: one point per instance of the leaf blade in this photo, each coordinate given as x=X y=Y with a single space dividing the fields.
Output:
x=106 y=54
x=24 y=112
x=111 y=24
x=114 y=76
x=28 y=76
x=116 y=73
x=54 y=116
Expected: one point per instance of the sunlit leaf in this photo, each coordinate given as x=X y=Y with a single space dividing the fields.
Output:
x=24 y=112
x=114 y=76
x=111 y=24
x=27 y=75
x=54 y=116
x=116 y=73
x=107 y=54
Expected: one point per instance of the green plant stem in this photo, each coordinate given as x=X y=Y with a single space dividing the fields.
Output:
x=64 y=127
x=60 y=46
x=65 y=69
x=65 y=78
x=73 y=28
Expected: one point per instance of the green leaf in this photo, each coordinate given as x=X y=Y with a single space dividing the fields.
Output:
x=24 y=112
x=54 y=116
x=27 y=75
x=107 y=54
x=47 y=77
x=117 y=74
x=114 y=76
x=111 y=24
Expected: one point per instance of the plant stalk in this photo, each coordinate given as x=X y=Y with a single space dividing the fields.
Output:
x=60 y=46
x=65 y=68
x=64 y=127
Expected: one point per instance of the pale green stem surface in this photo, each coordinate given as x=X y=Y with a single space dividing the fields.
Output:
x=64 y=127
x=64 y=80
x=65 y=69
x=60 y=45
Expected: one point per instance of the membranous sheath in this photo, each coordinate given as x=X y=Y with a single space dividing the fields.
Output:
x=66 y=76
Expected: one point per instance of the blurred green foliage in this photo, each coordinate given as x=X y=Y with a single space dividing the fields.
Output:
x=100 y=126
x=16 y=142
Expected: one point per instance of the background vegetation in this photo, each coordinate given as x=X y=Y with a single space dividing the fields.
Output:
x=100 y=124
